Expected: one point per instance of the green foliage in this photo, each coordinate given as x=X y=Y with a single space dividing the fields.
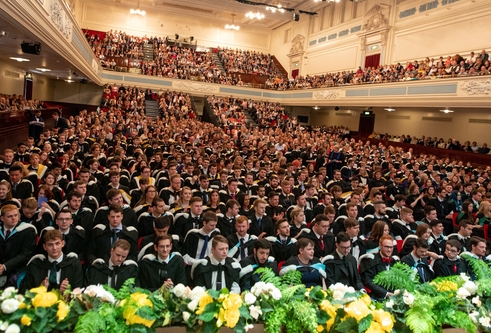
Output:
x=397 y=278
x=292 y=278
x=302 y=317
x=268 y=276
x=479 y=267
x=90 y=322
x=364 y=324
x=420 y=320
x=349 y=325
x=126 y=289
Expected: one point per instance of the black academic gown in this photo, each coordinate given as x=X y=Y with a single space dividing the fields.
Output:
x=328 y=239
x=235 y=246
x=311 y=276
x=248 y=276
x=282 y=252
x=427 y=270
x=202 y=270
x=370 y=265
x=101 y=242
x=39 y=268
x=99 y=273
x=447 y=267
x=342 y=270
x=152 y=273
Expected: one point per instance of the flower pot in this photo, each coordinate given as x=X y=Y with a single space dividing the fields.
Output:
x=258 y=328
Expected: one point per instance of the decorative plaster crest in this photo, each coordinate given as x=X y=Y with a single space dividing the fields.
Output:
x=297 y=45
x=477 y=87
x=196 y=86
x=376 y=18
x=326 y=94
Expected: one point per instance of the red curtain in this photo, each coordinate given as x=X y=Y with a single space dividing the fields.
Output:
x=295 y=73
x=372 y=61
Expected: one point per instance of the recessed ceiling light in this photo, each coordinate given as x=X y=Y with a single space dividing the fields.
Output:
x=390 y=109
x=19 y=59
x=43 y=69
x=69 y=81
x=316 y=107
x=446 y=110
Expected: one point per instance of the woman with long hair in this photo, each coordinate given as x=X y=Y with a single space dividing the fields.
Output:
x=379 y=229
x=297 y=216
x=181 y=205
x=214 y=203
x=50 y=181
x=244 y=200
x=6 y=195
x=142 y=206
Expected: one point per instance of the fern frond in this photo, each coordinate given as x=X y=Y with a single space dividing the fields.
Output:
x=125 y=290
x=292 y=278
x=290 y=291
x=479 y=267
x=397 y=278
x=419 y=321
x=268 y=276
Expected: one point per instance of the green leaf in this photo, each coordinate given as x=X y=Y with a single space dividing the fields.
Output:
x=210 y=327
x=397 y=278
x=214 y=293
x=207 y=316
x=322 y=317
x=346 y=326
x=365 y=323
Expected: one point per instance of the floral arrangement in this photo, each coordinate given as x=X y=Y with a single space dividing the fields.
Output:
x=38 y=311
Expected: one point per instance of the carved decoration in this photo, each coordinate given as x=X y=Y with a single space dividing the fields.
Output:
x=477 y=87
x=57 y=14
x=67 y=27
x=196 y=86
x=297 y=44
x=376 y=18
x=326 y=94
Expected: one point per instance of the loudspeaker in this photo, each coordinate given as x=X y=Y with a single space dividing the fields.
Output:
x=31 y=48
x=336 y=108
x=296 y=17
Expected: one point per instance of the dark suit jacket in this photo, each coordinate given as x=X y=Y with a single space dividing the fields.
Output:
x=370 y=266
x=344 y=271
x=428 y=271
x=61 y=124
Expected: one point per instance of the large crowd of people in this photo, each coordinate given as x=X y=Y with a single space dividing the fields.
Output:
x=107 y=196
x=186 y=63
x=17 y=102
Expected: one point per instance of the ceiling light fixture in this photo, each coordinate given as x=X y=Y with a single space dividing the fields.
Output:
x=255 y=15
x=446 y=110
x=43 y=69
x=275 y=7
x=137 y=11
x=69 y=81
x=232 y=26
x=316 y=107
x=19 y=59
x=390 y=109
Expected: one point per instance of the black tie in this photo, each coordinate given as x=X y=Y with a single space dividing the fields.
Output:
x=283 y=242
x=259 y=222
x=115 y=236
x=196 y=222
x=242 y=249
x=52 y=272
x=7 y=234
x=205 y=197
x=219 y=277
x=114 y=276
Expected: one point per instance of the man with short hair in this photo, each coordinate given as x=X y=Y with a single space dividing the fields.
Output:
x=464 y=235
x=165 y=269
x=320 y=235
x=301 y=202
x=450 y=264
x=241 y=243
x=105 y=235
x=82 y=216
x=261 y=225
x=443 y=209
x=21 y=188
x=379 y=214
x=226 y=222
x=417 y=259
x=231 y=192
x=373 y=263
x=283 y=246
x=358 y=247
x=197 y=243
x=437 y=238
x=341 y=266
x=259 y=258
x=146 y=220
x=17 y=243
x=57 y=270
x=170 y=194
x=115 y=197
x=217 y=271
x=183 y=222
x=116 y=269
x=405 y=226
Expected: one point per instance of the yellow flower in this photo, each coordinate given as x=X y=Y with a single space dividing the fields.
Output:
x=22 y=305
x=233 y=301
x=357 y=309
x=39 y=290
x=203 y=302
x=446 y=286
x=45 y=300
x=63 y=310
x=221 y=317
x=141 y=299
x=366 y=299
x=231 y=317
x=375 y=328
x=331 y=311
x=384 y=319
x=320 y=328
x=137 y=300
x=26 y=320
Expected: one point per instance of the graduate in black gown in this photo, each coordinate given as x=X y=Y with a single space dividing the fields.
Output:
x=164 y=269
x=259 y=258
x=217 y=271
x=313 y=271
x=450 y=264
x=55 y=270
x=114 y=271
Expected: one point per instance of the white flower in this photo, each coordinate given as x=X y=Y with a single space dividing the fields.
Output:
x=4 y=325
x=106 y=296
x=10 y=305
x=94 y=290
x=485 y=321
x=248 y=327
x=179 y=290
x=255 y=311
x=397 y=292
x=20 y=298
x=77 y=291
x=463 y=293
x=408 y=298
x=186 y=315
x=474 y=316
x=249 y=298
x=258 y=288
x=389 y=304
x=470 y=286
x=14 y=328
x=476 y=300
x=8 y=292
x=196 y=293
x=465 y=277
x=193 y=304
x=276 y=294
